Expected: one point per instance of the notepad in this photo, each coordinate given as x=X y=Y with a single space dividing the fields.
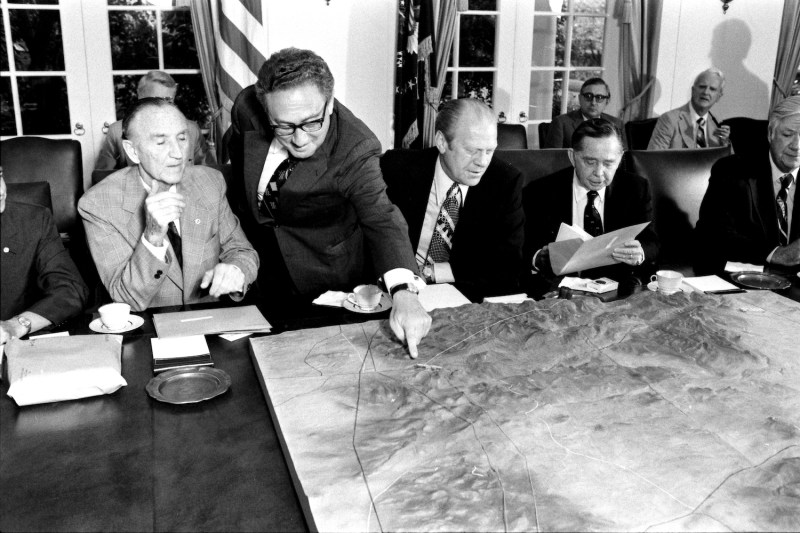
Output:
x=709 y=284
x=180 y=352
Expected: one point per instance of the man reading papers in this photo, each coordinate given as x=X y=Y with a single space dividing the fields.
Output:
x=161 y=232
x=592 y=195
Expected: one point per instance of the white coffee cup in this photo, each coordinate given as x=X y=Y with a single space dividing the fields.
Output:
x=365 y=297
x=668 y=281
x=115 y=315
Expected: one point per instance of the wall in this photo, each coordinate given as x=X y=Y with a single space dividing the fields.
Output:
x=695 y=35
x=357 y=40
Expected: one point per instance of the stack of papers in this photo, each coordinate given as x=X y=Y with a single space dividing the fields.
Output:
x=246 y=319
x=711 y=285
x=733 y=266
x=576 y=250
x=441 y=295
x=180 y=352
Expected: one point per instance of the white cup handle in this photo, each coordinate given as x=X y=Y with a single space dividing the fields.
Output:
x=653 y=278
x=352 y=299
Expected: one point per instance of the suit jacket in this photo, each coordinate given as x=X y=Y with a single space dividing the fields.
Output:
x=113 y=215
x=675 y=129
x=38 y=274
x=486 y=255
x=548 y=203
x=738 y=216
x=112 y=154
x=559 y=134
x=333 y=204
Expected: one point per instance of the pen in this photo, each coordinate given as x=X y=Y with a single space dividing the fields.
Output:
x=726 y=291
x=198 y=318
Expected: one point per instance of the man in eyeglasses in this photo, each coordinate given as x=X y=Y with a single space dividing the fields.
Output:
x=693 y=125
x=308 y=188
x=154 y=84
x=593 y=99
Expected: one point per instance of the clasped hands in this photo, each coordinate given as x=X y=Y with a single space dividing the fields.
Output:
x=163 y=207
x=788 y=255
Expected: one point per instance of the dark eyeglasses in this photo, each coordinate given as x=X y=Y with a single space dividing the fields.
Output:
x=599 y=98
x=311 y=126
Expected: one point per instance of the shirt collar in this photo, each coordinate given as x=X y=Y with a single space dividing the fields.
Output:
x=172 y=188
x=579 y=191
x=777 y=174
x=695 y=116
x=276 y=148
x=442 y=183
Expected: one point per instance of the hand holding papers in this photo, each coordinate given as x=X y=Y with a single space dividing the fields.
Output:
x=576 y=250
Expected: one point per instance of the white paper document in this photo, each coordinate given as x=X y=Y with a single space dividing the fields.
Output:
x=576 y=250
x=440 y=295
x=733 y=266
x=709 y=284
x=221 y=320
x=178 y=347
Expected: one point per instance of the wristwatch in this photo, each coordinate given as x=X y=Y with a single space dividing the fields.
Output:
x=410 y=287
x=24 y=322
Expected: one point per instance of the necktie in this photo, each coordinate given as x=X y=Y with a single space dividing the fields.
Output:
x=592 y=222
x=701 y=133
x=781 y=201
x=175 y=242
x=269 y=201
x=442 y=240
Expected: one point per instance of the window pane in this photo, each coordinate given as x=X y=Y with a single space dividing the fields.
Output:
x=543 y=51
x=7 y=124
x=447 y=90
x=38 y=2
x=561 y=41
x=554 y=6
x=558 y=82
x=36 y=38
x=540 y=105
x=478 y=85
x=133 y=40
x=483 y=5
x=159 y=3
x=125 y=93
x=44 y=105
x=3 y=50
x=596 y=7
x=191 y=98
x=476 y=46
x=178 y=38
x=587 y=41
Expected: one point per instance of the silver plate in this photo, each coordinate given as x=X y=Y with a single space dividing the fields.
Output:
x=761 y=280
x=188 y=385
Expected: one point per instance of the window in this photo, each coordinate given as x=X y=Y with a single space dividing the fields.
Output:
x=472 y=66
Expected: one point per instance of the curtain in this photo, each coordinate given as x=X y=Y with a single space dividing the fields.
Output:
x=445 y=35
x=788 y=60
x=641 y=23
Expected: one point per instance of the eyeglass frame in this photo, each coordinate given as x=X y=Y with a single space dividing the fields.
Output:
x=302 y=125
x=598 y=98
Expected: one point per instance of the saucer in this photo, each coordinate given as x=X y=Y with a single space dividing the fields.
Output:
x=383 y=305
x=653 y=286
x=134 y=321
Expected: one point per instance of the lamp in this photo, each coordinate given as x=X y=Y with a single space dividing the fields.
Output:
x=725 y=6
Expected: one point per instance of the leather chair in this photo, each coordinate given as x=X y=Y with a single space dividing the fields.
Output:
x=35 y=192
x=678 y=181
x=748 y=135
x=638 y=133
x=510 y=137
x=543 y=129
x=535 y=164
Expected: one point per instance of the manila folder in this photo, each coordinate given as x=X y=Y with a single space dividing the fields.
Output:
x=574 y=255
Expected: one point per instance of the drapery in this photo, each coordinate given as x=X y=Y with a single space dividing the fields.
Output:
x=445 y=35
x=641 y=23
x=788 y=60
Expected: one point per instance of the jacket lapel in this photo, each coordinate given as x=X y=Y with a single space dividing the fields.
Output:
x=764 y=198
x=686 y=127
x=418 y=193
x=794 y=233
x=196 y=221
x=256 y=146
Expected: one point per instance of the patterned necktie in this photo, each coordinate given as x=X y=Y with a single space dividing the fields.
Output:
x=701 y=133
x=592 y=223
x=269 y=201
x=176 y=242
x=783 y=215
x=442 y=240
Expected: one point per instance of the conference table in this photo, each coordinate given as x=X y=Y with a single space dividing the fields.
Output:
x=126 y=462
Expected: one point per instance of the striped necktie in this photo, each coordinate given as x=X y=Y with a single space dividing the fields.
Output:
x=782 y=204
x=442 y=240
x=592 y=223
x=269 y=201
x=701 y=133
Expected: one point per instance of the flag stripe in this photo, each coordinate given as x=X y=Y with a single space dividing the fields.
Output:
x=254 y=7
x=239 y=43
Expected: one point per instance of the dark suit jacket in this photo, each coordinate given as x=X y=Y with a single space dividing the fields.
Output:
x=38 y=274
x=738 y=217
x=332 y=204
x=559 y=134
x=486 y=256
x=548 y=203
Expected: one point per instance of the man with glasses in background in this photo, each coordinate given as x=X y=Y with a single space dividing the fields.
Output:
x=308 y=189
x=154 y=84
x=593 y=98
x=692 y=125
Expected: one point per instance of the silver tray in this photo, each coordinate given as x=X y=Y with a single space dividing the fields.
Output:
x=761 y=280
x=188 y=385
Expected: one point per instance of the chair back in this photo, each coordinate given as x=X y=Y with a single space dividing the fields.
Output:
x=56 y=161
x=543 y=128
x=748 y=135
x=512 y=137
x=535 y=164
x=35 y=192
x=678 y=181
x=638 y=133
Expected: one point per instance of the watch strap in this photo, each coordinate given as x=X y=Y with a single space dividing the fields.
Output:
x=410 y=287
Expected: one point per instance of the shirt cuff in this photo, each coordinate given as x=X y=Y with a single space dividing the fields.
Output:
x=769 y=257
x=533 y=263
x=396 y=276
x=443 y=273
x=160 y=252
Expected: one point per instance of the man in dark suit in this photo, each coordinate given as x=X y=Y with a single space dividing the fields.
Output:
x=308 y=188
x=593 y=99
x=483 y=247
x=750 y=211
x=593 y=195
